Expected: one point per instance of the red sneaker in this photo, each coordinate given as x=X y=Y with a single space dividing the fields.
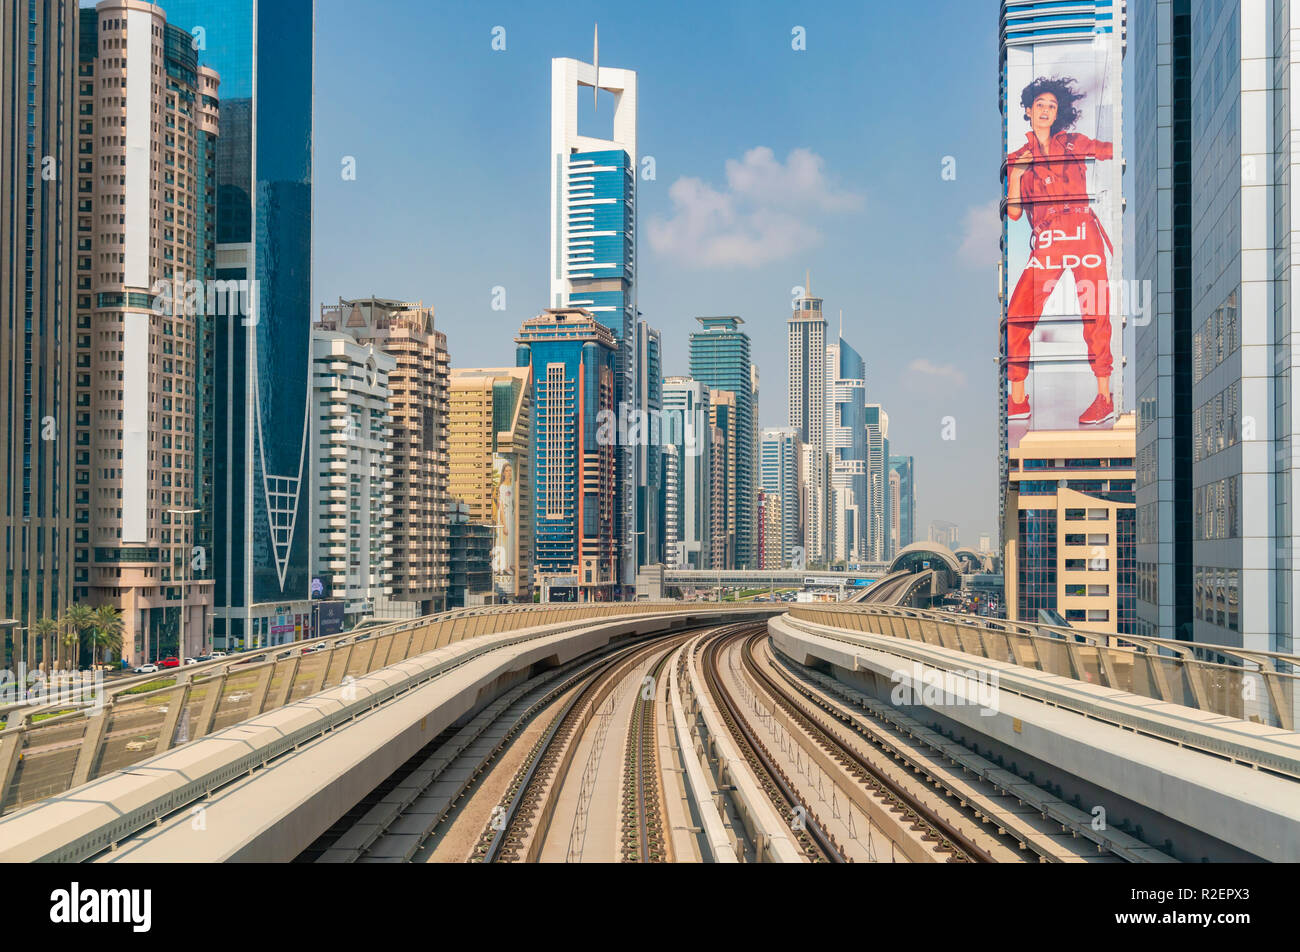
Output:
x=1101 y=411
x=1018 y=411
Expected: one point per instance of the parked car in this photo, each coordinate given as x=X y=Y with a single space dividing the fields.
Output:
x=191 y=660
x=145 y=669
x=218 y=654
x=170 y=662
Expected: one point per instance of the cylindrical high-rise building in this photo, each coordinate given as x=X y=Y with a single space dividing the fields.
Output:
x=150 y=259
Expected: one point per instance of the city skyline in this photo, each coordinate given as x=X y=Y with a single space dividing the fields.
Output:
x=396 y=467
x=843 y=194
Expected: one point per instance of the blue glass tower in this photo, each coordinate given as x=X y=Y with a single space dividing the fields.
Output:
x=720 y=359
x=593 y=246
x=264 y=53
x=575 y=511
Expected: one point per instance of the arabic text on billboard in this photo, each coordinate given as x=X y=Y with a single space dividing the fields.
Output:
x=1062 y=207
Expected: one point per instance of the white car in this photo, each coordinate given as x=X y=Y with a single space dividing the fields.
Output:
x=190 y=661
x=218 y=654
x=136 y=744
x=239 y=696
x=145 y=669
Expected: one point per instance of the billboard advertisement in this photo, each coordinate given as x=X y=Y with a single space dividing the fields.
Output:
x=505 y=516
x=1062 y=225
x=329 y=618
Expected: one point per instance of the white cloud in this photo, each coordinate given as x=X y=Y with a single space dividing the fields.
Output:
x=981 y=236
x=763 y=215
x=922 y=365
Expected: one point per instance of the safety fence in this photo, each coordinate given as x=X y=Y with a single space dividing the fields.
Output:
x=1259 y=686
x=40 y=760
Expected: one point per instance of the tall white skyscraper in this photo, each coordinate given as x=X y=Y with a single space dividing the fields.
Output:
x=593 y=242
x=806 y=363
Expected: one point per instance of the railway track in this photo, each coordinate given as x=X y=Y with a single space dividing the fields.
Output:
x=643 y=838
x=420 y=796
x=816 y=844
x=517 y=830
x=977 y=788
x=916 y=799
x=910 y=809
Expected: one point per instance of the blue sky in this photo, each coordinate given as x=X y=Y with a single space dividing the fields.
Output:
x=451 y=141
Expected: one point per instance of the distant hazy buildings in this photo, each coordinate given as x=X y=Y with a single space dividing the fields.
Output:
x=944 y=532
x=573 y=358
x=904 y=468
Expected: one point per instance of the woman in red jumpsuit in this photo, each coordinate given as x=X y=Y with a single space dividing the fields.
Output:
x=1048 y=179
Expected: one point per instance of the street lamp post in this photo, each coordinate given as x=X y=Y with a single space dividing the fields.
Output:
x=180 y=637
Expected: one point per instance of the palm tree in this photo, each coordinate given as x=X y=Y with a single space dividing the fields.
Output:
x=108 y=631
x=46 y=630
x=77 y=620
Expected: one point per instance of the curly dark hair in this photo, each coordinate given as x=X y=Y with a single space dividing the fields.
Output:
x=1066 y=96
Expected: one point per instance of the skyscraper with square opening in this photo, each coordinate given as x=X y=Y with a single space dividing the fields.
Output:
x=593 y=243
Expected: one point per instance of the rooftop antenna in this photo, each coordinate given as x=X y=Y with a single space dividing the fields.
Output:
x=807 y=282
x=841 y=322
x=595 y=61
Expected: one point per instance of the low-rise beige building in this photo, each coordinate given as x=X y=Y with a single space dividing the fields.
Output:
x=1071 y=528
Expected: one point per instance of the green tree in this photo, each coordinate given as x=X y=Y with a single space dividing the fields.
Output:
x=77 y=620
x=108 y=631
x=46 y=630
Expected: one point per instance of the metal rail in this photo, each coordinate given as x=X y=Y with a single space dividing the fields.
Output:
x=816 y=842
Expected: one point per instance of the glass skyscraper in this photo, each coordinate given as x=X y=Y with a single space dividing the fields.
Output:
x=720 y=360
x=846 y=445
x=779 y=450
x=1217 y=481
x=906 y=515
x=572 y=356
x=264 y=53
x=38 y=84
x=593 y=246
